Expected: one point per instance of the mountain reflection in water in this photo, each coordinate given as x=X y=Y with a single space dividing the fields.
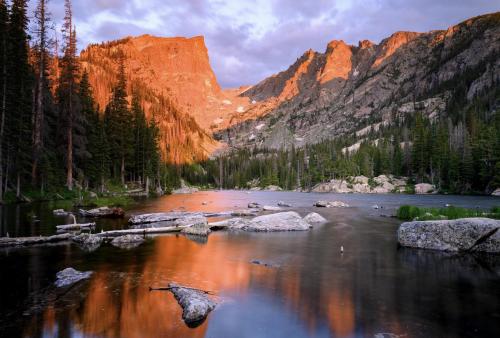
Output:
x=309 y=288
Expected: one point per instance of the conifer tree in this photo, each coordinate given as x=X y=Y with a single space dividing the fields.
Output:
x=4 y=25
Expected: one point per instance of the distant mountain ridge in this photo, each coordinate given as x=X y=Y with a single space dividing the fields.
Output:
x=347 y=90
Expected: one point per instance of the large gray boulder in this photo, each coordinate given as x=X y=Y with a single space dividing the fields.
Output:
x=196 y=305
x=70 y=276
x=88 y=242
x=468 y=234
x=284 y=221
x=199 y=229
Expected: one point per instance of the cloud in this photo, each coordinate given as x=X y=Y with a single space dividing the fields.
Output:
x=250 y=40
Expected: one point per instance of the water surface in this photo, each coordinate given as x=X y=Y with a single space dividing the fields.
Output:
x=373 y=289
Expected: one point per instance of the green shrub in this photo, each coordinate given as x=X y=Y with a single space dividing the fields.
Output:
x=410 y=212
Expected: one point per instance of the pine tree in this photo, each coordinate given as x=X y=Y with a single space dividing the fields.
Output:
x=4 y=26
x=117 y=119
x=19 y=95
x=42 y=21
x=69 y=109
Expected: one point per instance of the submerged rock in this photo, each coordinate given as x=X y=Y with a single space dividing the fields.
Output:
x=195 y=304
x=468 y=234
x=335 y=204
x=70 y=276
x=284 y=204
x=254 y=205
x=128 y=241
x=284 y=221
x=315 y=218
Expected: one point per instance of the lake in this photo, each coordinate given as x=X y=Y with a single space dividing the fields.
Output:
x=310 y=289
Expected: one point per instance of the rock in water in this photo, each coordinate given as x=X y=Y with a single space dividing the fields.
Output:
x=199 y=229
x=254 y=205
x=284 y=204
x=468 y=234
x=284 y=221
x=326 y=204
x=103 y=212
x=70 y=276
x=496 y=192
x=271 y=208
x=315 y=218
x=128 y=241
x=88 y=242
x=195 y=304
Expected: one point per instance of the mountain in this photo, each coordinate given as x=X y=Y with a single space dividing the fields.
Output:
x=353 y=90
x=175 y=80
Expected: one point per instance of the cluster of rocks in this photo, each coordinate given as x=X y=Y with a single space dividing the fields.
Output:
x=461 y=235
x=361 y=184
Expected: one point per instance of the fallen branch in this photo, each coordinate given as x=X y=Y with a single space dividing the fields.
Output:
x=170 y=288
x=23 y=241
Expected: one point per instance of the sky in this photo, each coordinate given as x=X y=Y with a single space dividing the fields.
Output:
x=253 y=39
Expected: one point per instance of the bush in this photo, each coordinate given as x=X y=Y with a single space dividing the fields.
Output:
x=410 y=212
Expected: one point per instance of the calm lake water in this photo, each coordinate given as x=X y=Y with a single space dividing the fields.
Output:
x=373 y=289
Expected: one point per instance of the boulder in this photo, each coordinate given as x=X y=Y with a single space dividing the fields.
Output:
x=424 y=188
x=70 y=276
x=103 y=212
x=284 y=204
x=198 y=229
x=360 y=180
x=196 y=305
x=128 y=241
x=245 y=212
x=496 y=192
x=315 y=218
x=231 y=224
x=271 y=208
x=273 y=188
x=254 y=205
x=88 y=242
x=190 y=221
x=327 y=204
x=285 y=221
x=468 y=234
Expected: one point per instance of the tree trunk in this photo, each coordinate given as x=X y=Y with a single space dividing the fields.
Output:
x=147 y=186
x=122 y=170
x=18 y=186
x=69 y=163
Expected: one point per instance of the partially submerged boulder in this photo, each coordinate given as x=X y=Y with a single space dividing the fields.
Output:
x=327 y=204
x=103 y=212
x=254 y=205
x=231 y=224
x=271 y=208
x=245 y=212
x=190 y=221
x=196 y=305
x=88 y=242
x=70 y=276
x=496 y=192
x=315 y=218
x=284 y=221
x=284 y=204
x=128 y=241
x=468 y=234
x=198 y=229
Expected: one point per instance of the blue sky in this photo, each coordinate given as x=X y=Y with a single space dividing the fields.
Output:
x=250 y=40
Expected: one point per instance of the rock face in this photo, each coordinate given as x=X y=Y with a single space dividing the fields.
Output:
x=315 y=218
x=128 y=241
x=176 y=82
x=424 y=188
x=195 y=304
x=469 y=234
x=284 y=221
x=70 y=276
x=341 y=90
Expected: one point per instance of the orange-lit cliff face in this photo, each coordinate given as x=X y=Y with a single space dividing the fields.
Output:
x=175 y=82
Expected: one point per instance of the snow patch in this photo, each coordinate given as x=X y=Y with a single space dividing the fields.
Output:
x=260 y=126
